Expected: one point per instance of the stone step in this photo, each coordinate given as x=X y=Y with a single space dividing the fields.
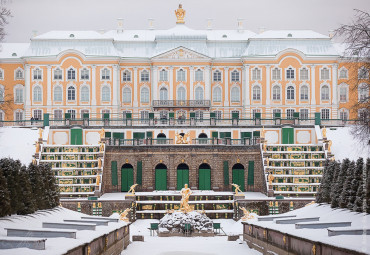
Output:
x=100 y=218
x=21 y=242
x=296 y=220
x=40 y=232
x=96 y=222
x=348 y=231
x=63 y=225
x=271 y=218
x=318 y=225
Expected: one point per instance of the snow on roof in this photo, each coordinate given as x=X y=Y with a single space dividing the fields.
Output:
x=294 y=34
x=13 y=50
x=71 y=35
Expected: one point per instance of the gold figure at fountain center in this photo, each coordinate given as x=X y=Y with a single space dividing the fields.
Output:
x=180 y=15
x=237 y=188
x=185 y=195
x=247 y=215
x=123 y=215
x=131 y=192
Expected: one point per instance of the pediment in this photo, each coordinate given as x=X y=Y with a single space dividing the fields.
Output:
x=181 y=53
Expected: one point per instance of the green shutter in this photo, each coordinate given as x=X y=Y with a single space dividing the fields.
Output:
x=204 y=179
x=128 y=115
x=251 y=173
x=226 y=172
x=214 y=134
x=67 y=116
x=235 y=115
x=171 y=115
x=256 y=133
x=149 y=134
x=85 y=115
x=288 y=135
x=245 y=134
x=317 y=118
x=114 y=173
x=212 y=115
x=76 y=136
x=139 y=172
x=258 y=115
x=277 y=115
x=46 y=119
x=118 y=135
x=108 y=134
x=151 y=115
x=192 y=115
x=139 y=135
x=106 y=116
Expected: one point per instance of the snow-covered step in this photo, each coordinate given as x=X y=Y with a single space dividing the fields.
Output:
x=348 y=231
x=96 y=222
x=40 y=232
x=22 y=242
x=100 y=218
x=64 y=225
x=271 y=218
x=317 y=225
x=296 y=220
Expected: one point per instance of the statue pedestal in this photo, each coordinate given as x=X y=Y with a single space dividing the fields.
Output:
x=270 y=193
x=130 y=197
x=239 y=196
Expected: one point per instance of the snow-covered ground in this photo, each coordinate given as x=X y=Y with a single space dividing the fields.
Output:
x=18 y=143
x=326 y=214
x=155 y=245
x=344 y=144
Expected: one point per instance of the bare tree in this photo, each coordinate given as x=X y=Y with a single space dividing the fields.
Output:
x=5 y=14
x=356 y=38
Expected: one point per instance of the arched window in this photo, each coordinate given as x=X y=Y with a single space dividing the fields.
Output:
x=290 y=93
x=343 y=73
x=58 y=74
x=18 y=114
x=2 y=93
x=363 y=93
x=85 y=74
x=163 y=94
x=256 y=74
x=144 y=97
x=199 y=93
x=37 y=74
x=235 y=75
x=198 y=75
x=85 y=94
x=105 y=94
x=181 y=93
x=304 y=92
x=19 y=74
x=256 y=93
x=144 y=76
x=217 y=75
x=71 y=93
x=71 y=74
x=163 y=75
x=181 y=75
x=303 y=74
x=343 y=94
x=126 y=97
x=58 y=92
x=363 y=73
x=290 y=74
x=235 y=95
x=343 y=114
x=126 y=76
x=105 y=74
x=325 y=74
x=37 y=94
x=18 y=94
x=276 y=93
x=276 y=74
x=217 y=93
x=325 y=92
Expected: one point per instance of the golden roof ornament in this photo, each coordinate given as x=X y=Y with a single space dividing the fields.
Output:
x=180 y=15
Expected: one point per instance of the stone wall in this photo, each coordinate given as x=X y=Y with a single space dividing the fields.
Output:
x=193 y=156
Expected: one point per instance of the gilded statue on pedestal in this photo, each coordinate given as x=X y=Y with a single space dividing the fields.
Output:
x=180 y=15
x=270 y=178
x=182 y=139
x=40 y=133
x=131 y=191
x=185 y=195
x=247 y=215
x=102 y=133
x=123 y=216
x=324 y=132
x=97 y=180
x=237 y=188
x=329 y=145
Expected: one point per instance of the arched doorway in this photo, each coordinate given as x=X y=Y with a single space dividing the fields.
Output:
x=161 y=138
x=182 y=176
x=202 y=138
x=238 y=176
x=127 y=177
x=204 y=177
x=161 y=177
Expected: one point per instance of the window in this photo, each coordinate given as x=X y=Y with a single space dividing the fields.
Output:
x=198 y=75
x=2 y=94
x=37 y=94
x=290 y=73
x=85 y=94
x=276 y=74
x=181 y=93
x=217 y=93
x=144 y=76
x=58 y=114
x=181 y=75
x=325 y=74
x=19 y=74
x=254 y=112
x=199 y=93
x=37 y=74
x=218 y=115
x=73 y=114
x=325 y=92
x=1 y=74
x=256 y=93
x=235 y=76
x=124 y=114
x=303 y=74
x=274 y=111
x=343 y=114
x=37 y=114
x=2 y=115
x=58 y=94
x=276 y=93
x=83 y=112
x=105 y=111
x=58 y=74
x=18 y=115
x=363 y=115
x=303 y=114
x=163 y=94
x=325 y=114
x=105 y=74
x=105 y=94
x=126 y=97
x=71 y=93
x=343 y=73
x=85 y=74
x=289 y=113
x=144 y=116
x=290 y=93
x=256 y=74
x=217 y=76
x=343 y=94
x=19 y=95
x=163 y=116
x=235 y=94
x=304 y=92
x=144 y=97
x=163 y=75
x=199 y=116
x=363 y=93
x=71 y=74
x=126 y=76
x=363 y=73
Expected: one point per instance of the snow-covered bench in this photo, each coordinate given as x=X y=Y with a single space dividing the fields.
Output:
x=21 y=242
x=63 y=225
x=296 y=220
x=318 y=225
x=40 y=232
x=96 y=222
x=348 y=231
x=271 y=218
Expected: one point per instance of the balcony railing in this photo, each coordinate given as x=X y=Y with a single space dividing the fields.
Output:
x=182 y=103
x=196 y=141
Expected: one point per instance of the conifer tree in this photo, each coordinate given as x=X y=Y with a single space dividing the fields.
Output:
x=347 y=187
x=360 y=196
x=355 y=183
x=5 y=208
x=337 y=188
x=367 y=187
x=27 y=200
x=326 y=183
x=51 y=190
x=37 y=185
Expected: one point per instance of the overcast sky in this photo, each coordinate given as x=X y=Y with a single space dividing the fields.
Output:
x=47 y=15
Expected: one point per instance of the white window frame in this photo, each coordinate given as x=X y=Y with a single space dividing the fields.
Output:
x=305 y=115
x=2 y=74
x=288 y=95
x=16 y=72
x=276 y=97
x=36 y=112
x=59 y=75
x=105 y=74
x=235 y=98
x=75 y=93
x=326 y=96
x=273 y=74
x=217 y=78
x=144 y=116
x=301 y=92
x=218 y=114
x=163 y=94
x=83 y=97
x=235 y=76
x=35 y=98
x=125 y=98
x=363 y=93
x=301 y=76
x=40 y=74
x=199 y=75
x=181 y=75
x=61 y=93
x=16 y=89
x=178 y=95
x=325 y=113
x=74 y=72
x=288 y=77
x=321 y=74
x=17 y=113
x=145 y=78
x=163 y=75
x=340 y=72
x=255 y=96
x=343 y=87
x=104 y=97
x=73 y=113
x=256 y=74
x=126 y=75
x=361 y=71
x=144 y=98
x=83 y=75
x=217 y=96
x=343 y=111
x=197 y=95
x=56 y=114
x=290 y=113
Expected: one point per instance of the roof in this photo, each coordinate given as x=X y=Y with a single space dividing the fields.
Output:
x=71 y=35
x=13 y=50
x=293 y=34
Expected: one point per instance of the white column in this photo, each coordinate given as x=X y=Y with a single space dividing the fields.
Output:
x=312 y=91
x=154 y=92
x=247 y=89
x=170 y=89
x=27 y=92
x=335 y=93
x=135 y=87
x=191 y=86
x=268 y=90
x=207 y=80
x=226 y=103
x=48 y=101
x=93 y=85
x=115 y=85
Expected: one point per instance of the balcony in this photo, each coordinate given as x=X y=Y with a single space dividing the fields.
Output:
x=181 y=103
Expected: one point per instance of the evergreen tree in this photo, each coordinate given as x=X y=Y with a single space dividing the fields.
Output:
x=337 y=188
x=367 y=187
x=37 y=185
x=27 y=200
x=356 y=183
x=51 y=190
x=347 y=187
x=323 y=195
x=11 y=170
x=360 y=196
x=5 y=208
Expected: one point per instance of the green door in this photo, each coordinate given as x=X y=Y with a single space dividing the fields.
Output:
x=127 y=178
x=160 y=179
x=288 y=135
x=238 y=178
x=204 y=179
x=76 y=136
x=182 y=178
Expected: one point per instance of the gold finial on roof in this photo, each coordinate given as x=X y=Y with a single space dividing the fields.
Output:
x=180 y=15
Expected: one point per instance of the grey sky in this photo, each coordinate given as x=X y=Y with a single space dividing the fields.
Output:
x=47 y=15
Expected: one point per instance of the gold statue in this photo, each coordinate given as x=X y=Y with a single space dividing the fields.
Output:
x=180 y=15
x=329 y=145
x=263 y=132
x=185 y=195
x=264 y=146
x=270 y=178
x=313 y=202
x=102 y=133
x=267 y=161
x=34 y=161
x=40 y=133
x=97 y=180
x=324 y=132
x=101 y=147
x=99 y=162
x=237 y=188
x=123 y=216
x=332 y=158
x=182 y=139
x=37 y=147
x=132 y=190
x=247 y=215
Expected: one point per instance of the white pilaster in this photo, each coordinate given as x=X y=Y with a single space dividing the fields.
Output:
x=226 y=103
x=48 y=101
x=170 y=89
x=268 y=90
x=27 y=90
x=335 y=92
x=115 y=78
x=93 y=85
x=207 y=80
x=312 y=91
x=154 y=92
x=191 y=86
x=246 y=92
x=135 y=92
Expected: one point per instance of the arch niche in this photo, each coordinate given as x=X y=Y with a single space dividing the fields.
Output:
x=161 y=177
x=182 y=175
x=127 y=177
x=204 y=177
x=239 y=176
